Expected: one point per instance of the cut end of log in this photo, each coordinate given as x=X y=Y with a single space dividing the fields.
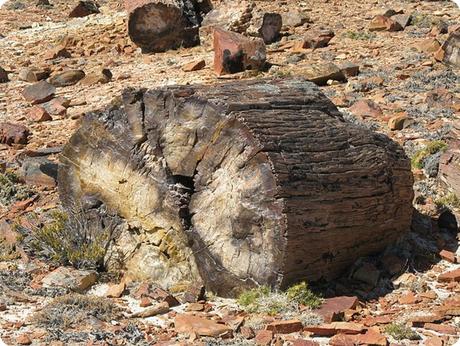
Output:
x=237 y=185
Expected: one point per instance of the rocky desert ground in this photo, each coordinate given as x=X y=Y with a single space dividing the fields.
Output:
x=389 y=66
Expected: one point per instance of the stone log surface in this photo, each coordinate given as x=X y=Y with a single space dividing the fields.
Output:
x=238 y=184
x=160 y=25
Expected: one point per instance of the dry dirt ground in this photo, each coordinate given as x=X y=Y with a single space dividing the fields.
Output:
x=397 y=72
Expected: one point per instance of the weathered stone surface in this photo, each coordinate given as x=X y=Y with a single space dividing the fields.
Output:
x=366 y=108
x=39 y=171
x=84 y=8
x=294 y=18
x=228 y=15
x=367 y=273
x=448 y=256
x=39 y=114
x=317 y=38
x=3 y=76
x=31 y=75
x=334 y=328
x=194 y=66
x=288 y=236
x=429 y=45
x=402 y=19
x=116 y=290
x=189 y=324
x=66 y=78
x=449 y=167
x=285 y=327
x=271 y=27
x=450 y=50
x=101 y=76
x=441 y=328
x=57 y=52
x=158 y=309
x=332 y=309
x=450 y=276
x=398 y=122
x=39 y=92
x=264 y=338
x=383 y=23
x=160 y=25
x=56 y=106
x=13 y=133
x=321 y=73
x=73 y=279
x=234 y=52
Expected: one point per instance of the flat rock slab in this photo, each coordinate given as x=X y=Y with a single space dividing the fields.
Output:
x=70 y=278
x=39 y=92
x=13 y=133
x=190 y=324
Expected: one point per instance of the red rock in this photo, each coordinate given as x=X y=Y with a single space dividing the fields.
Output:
x=342 y=340
x=116 y=291
x=366 y=108
x=145 y=301
x=433 y=341
x=264 y=338
x=39 y=171
x=143 y=290
x=39 y=114
x=429 y=295
x=57 y=52
x=84 y=8
x=39 y=92
x=3 y=76
x=3 y=306
x=398 y=122
x=13 y=133
x=193 y=293
x=450 y=276
x=450 y=50
x=32 y=75
x=23 y=339
x=377 y=320
x=315 y=39
x=195 y=307
x=247 y=332
x=285 y=327
x=194 y=66
x=300 y=342
x=448 y=256
x=234 y=52
x=429 y=45
x=158 y=309
x=57 y=106
x=408 y=298
x=426 y=317
x=73 y=279
x=102 y=76
x=335 y=328
x=372 y=337
x=66 y=78
x=382 y=23
x=332 y=309
x=441 y=328
x=189 y=324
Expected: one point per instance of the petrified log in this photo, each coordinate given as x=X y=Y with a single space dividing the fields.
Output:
x=160 y=25
x=450 y=50
x=238 y=184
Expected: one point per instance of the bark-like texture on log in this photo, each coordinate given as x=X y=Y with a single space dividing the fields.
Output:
x=160 y=25
x=449 y=166
x=238 y=184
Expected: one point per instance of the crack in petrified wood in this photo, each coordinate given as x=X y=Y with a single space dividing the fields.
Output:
x=245 y=183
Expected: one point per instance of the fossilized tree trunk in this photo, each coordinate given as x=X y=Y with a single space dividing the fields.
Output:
x=160 y=25
x=254 y=182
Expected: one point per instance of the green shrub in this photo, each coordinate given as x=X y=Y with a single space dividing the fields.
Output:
x=400 y=331
x=301 y=294
x=74 y=309
x=11 y=189
x=263 y=300
x=449 y=200
x=430 y=149
x=69 y=241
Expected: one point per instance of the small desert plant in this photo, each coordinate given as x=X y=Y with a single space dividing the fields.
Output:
x=73 y=241
x=360 y=35
x=263 y=300
x=430 y=149
x=400 y=331
x=449 y=200
x=74 y=309
x=11 y=189
x=301 y=294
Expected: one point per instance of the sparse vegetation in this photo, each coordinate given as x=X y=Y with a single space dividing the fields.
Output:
x=400 y=331
x=359 y=35
x=430 y=149
x=11 y=189
x=67 y=241
x=301 y=294
x=74 y=309
x=450 y=200
x=263 y=300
